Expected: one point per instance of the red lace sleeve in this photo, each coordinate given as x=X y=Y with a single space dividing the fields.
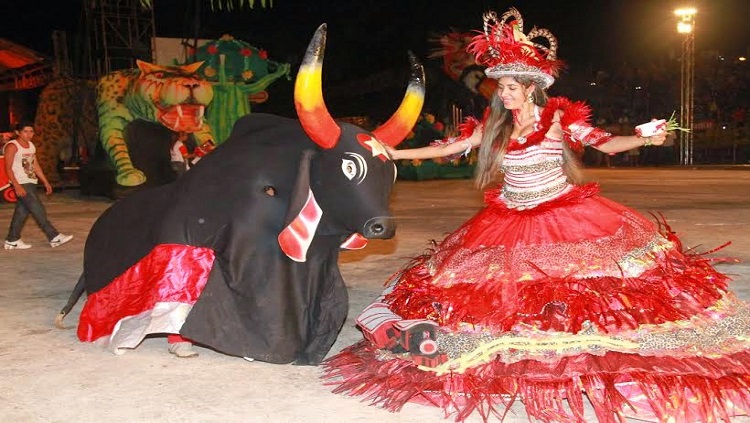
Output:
x=576 y=127
x=469 y=125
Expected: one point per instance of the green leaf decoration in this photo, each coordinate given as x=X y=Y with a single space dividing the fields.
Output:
x=673 y=125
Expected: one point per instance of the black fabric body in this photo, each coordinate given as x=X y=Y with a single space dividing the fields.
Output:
x=257 y=302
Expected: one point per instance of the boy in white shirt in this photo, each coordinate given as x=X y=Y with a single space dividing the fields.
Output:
x=24 y=172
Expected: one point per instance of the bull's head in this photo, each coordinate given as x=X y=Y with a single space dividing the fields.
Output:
x=352 y=175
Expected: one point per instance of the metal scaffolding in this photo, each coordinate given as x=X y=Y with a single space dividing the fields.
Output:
x=686 y=26
x=119 y=32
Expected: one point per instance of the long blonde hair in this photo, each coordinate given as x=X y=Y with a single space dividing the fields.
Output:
x=496 y=136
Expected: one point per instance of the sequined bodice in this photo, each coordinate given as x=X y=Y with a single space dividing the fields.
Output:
x=534 y=174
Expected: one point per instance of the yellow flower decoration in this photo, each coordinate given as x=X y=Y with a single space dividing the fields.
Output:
x=226 y=37
x=429 y=117
x=209 y=72
x=247 y=75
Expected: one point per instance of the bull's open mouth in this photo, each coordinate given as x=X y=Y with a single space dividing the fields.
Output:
x=183 y=117
x=354 y=242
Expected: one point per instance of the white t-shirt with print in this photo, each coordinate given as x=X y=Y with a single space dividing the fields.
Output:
x=23 y=163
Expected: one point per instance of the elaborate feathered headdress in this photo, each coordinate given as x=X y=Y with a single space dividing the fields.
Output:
x=507 y=51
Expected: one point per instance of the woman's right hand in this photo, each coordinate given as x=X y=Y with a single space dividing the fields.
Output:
x=392 y=152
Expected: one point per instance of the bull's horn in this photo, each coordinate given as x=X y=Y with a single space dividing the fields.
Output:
x=393 y=131
x=308 y=95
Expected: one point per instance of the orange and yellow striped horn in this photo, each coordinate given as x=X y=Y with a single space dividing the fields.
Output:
x=308 y=95
x=393 y=131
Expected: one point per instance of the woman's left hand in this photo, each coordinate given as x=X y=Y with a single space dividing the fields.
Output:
x=657 y=139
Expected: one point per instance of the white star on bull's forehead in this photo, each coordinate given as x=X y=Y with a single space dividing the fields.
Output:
x=376 y=147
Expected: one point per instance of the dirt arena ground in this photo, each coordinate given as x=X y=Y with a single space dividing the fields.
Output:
x=49 y=376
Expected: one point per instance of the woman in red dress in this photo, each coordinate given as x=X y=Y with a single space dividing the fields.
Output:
x=551 y=291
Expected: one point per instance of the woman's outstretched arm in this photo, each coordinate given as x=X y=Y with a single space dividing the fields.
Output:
x=458 y=146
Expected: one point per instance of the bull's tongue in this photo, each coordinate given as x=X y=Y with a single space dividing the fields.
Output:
x=183 y=117
x=354 y=242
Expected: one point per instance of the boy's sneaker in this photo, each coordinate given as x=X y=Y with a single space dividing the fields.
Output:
x=59 y=240
x=16 y=245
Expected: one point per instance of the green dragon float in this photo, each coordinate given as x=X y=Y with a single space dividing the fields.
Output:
x=203 y=98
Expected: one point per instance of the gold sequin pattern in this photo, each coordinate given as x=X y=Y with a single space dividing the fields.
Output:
x=641 y=259
x=629 y=252
x=530 y=343
x=527 y=196
x=534 y=167
x=722 y=329
x=700 y=335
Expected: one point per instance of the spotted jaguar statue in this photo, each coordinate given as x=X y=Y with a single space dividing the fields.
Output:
x=173 y=96
x=65 y=116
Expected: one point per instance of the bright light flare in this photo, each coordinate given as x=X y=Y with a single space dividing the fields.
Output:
x=686 y=21
x=684 y=27
x=686 y=12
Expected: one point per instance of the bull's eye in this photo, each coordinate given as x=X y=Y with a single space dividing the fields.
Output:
x=349 y=168
x=269 y=190
x=354 y=167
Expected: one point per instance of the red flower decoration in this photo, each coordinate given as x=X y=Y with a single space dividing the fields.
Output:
x=263 y=54
x=246 y=52
x=439 y=126
x=212 y=49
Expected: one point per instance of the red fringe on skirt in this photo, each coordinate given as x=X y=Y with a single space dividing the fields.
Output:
x=668 y=387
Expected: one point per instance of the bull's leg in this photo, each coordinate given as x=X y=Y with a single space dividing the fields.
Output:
x=331 y=315
x=180 y=346
x=74 y=296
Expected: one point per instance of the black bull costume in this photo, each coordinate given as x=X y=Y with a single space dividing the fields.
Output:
x=241 y=253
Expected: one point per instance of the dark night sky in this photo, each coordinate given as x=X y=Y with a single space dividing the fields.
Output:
x=368 y=36
x=376 y=33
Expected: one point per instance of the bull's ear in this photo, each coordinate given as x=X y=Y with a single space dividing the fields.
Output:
x=302 y=215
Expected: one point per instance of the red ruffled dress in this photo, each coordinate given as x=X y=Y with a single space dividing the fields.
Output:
x=551 y=292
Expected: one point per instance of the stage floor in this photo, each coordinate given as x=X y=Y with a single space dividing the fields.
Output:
x=49 y=376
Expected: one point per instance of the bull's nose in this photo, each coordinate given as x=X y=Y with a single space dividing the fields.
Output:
x=379 y=228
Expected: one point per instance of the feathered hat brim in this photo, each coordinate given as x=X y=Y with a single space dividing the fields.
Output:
x=507 y=51
x=540 y=78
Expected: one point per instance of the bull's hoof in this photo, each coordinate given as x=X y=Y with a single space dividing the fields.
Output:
x=130 y=178
x=183 y=350
x=59 y=321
